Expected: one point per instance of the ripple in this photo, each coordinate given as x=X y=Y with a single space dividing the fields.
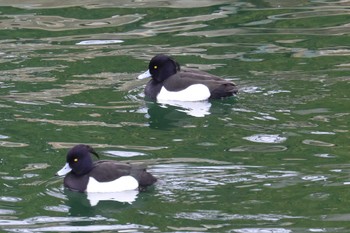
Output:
x=322 y=133
x=12 y=144
x=273 y=92
x=25 y=176
x=95 y=228
x=251 y=90
x=314 y=178
x=266 y=138
x=56 y=193
x=29 y=74
x=98 y=42
x=47 y=4
x=59 y=208
x=258 y=148
x=62 y=224
x=263 y=230
x=83 y=82
x=57 y=23
x=183 y=20
x=317 y=143
x=311 y=13
x=197 y=229
x=178 y=177
x=35 y=166
x=325 y=156
x=311 y=111
x=337 y=217
x=319 y=196
x=125 y=154
x=216 y=33
x=71 y=123
x=10 y=199
x=207 y=144
x=66 y=145
x=222 y=216
x=7 y=212
x=199 y=181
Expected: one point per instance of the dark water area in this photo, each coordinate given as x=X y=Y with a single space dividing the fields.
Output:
x=273 y=159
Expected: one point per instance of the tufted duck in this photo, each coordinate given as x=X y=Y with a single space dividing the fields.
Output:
x=84 y=175
x=170 y=83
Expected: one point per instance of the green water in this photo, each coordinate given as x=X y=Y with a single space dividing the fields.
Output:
x=273 y=159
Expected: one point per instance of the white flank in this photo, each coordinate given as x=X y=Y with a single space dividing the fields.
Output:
x=146 y=74
x=121 y=184
x=64 y=170
x=196 y=92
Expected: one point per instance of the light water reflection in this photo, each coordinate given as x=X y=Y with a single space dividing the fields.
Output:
x=54 y=23
x=125 y=196
x=91 y=4
x=195 y=109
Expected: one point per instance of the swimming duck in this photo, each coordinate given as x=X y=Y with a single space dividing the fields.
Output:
x=84 y=175
x=169 y=82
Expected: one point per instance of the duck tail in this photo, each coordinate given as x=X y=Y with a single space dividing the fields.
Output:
x=224 y=90
x=146 y=179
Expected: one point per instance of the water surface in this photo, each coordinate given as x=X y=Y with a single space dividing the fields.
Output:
x=273 y=159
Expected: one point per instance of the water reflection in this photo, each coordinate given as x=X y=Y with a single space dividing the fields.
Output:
x=69 y=224
x=266 y=138
x=126 y=196
x=65 y=145
x=196 y=109
x=75 y=201
x=92 y=4
x=258 y=148
x=98 y=42
x=56 y=23
x=167 y=116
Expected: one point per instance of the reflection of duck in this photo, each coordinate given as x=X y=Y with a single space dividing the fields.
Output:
x=195 y=108
x=84 y=175
x=128 y=196
x=164 y=117
x=168 y=114
x=169 y=83
x=80 y=204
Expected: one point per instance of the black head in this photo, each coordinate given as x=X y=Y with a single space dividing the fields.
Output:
x=162 y=66
x=80 y=160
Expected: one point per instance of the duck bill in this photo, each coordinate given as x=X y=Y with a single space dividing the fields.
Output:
x=147 y=74
x=64 y=170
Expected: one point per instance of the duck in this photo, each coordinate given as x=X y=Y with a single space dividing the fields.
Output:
x=170 y=83
x=82 y=174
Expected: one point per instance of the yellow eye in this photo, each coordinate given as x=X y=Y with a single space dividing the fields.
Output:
x=75 y=160
x=155 y=67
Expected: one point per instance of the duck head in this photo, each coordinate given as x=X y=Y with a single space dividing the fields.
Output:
x=79 y=160
x=160 y=68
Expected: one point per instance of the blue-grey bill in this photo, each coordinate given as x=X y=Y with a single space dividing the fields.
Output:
x=64 y=170
x=146 y=74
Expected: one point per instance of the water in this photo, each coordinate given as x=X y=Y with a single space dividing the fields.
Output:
x=274 y=159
